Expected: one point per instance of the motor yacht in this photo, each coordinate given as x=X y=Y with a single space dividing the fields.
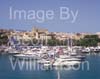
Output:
x=66 y=60
x=28 y=54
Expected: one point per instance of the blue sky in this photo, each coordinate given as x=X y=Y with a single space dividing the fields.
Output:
x=88 y=19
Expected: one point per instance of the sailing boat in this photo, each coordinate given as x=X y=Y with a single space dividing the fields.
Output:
x=73 y=52
x=67 y=60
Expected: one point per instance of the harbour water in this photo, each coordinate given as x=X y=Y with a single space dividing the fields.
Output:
x=6 y=71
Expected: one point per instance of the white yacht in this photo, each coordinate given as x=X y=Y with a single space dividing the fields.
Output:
x=28 y=54
x=47 y=63
x=66 y=60
x=11 y=50
x=86 y=50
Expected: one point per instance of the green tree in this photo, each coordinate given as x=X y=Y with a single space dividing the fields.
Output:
x=51 y=42
x=88 y=40
x=3 y=39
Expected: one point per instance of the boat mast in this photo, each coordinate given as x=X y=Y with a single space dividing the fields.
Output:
x=58 y=74
x=71 y=42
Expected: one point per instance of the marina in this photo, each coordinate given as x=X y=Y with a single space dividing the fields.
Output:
x=49 y=39
x=49 y=60
x=49 y=56
x=55 y=56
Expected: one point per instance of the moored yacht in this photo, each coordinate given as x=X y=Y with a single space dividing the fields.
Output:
x=28 y=54
x=64 y=60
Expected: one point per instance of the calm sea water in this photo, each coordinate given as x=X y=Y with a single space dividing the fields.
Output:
x=6 y=71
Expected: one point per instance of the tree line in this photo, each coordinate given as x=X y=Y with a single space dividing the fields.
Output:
x=88 y=40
